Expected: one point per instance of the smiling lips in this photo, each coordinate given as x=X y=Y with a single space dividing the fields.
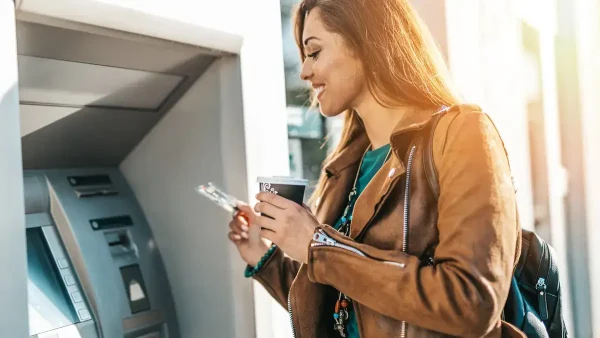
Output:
x=319 y=90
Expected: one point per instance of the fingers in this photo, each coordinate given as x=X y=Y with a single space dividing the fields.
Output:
x=266 y=223
x=268 y=234
x=245 y=208
x=234 y=237
x=268 y=209
x=239 y=225
x=276 y=200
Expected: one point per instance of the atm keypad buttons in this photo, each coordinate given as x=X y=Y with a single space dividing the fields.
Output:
x=69 y=280
x=62 y=263
x=77 y=297
x=84 y=314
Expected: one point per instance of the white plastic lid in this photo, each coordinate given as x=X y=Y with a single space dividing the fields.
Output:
x=282 y=180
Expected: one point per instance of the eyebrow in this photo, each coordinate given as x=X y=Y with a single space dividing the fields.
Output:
x=310 y=38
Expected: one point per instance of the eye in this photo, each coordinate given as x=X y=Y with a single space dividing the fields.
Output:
x=314 y=55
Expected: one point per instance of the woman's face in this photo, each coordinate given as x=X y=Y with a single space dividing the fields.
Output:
x=335 y=74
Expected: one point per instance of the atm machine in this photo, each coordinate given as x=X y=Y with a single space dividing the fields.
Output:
x=88 y=96
x=92 y=260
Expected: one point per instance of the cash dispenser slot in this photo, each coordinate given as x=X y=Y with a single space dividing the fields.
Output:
x=95 y=191
x=88 y=180
x=120 y=244
x=111 y=222
x=92 y=186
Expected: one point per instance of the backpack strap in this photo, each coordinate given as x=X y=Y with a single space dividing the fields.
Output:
x=428 y=162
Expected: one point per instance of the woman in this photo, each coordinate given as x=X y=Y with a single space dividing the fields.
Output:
x=357 y=267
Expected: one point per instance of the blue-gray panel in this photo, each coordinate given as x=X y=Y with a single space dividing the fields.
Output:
x=38 y=220
x=92 y=257
x=36 y=193
x=50 y=306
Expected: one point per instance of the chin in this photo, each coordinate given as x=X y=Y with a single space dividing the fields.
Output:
x=330 y=111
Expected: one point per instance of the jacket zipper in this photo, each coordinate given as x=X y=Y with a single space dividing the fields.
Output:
x=320 y=238
x=289 y=304
x=406 y=218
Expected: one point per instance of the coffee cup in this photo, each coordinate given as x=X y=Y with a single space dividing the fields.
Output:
x=284 y=186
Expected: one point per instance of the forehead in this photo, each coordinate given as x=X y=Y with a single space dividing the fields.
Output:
x=313 y=26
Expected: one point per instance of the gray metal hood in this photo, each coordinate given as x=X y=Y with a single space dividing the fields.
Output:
x=89 y=95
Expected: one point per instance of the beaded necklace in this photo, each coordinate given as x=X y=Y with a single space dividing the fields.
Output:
x=340 y=313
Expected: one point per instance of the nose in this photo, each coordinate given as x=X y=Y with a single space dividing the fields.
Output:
x=306 y=71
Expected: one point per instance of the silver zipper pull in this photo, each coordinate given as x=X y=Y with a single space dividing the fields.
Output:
x=321 y=237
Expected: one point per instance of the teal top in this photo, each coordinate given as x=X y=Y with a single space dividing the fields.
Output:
x=371 y=163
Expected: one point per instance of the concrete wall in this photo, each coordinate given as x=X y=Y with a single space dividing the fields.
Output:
x=13 y=285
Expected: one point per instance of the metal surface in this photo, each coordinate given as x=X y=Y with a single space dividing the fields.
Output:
x=90 y=95
x=35 y=190
x=68 y=239
x=90 y=253
x=13 y=290
x=58 y=254
x=75 y=84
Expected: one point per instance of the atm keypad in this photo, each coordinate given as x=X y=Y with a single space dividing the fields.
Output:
x=84 y=314
x=77 y=297
x=69 y=280
x=62 y=263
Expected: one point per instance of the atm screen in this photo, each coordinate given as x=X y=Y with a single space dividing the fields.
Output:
x=49 y=303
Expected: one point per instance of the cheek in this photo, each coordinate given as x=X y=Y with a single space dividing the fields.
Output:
x=344 y=83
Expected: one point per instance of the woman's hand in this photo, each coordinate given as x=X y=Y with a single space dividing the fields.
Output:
x=291 y=226
x=245 y=234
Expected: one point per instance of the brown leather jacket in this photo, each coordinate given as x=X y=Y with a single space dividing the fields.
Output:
x=472 y=233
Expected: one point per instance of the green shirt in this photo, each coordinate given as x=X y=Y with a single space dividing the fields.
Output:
x=371 y=163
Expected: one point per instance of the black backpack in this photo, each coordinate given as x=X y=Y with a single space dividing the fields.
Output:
x=534 y=301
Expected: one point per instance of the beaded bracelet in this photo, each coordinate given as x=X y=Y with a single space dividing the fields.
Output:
x=251 y=271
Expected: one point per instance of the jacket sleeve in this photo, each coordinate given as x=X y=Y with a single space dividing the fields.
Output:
x=463 y=294
x=277 y=275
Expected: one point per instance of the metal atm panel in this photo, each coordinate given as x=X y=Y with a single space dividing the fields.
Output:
x=101 y=242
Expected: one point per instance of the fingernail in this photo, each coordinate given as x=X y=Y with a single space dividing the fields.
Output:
x=244 y=227
x=237 y=237
x=245 y=235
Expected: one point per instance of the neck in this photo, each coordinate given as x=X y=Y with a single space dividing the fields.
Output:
x=379 y=121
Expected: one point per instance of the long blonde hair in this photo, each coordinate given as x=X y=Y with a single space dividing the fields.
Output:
x=402 y=64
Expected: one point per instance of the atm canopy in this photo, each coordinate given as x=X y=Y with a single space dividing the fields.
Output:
x=88 y=95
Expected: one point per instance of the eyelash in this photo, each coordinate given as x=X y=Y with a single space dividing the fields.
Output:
x=314 y=55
